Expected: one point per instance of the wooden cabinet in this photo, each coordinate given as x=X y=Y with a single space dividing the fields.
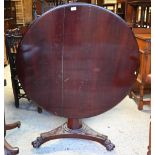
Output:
x=143 y=37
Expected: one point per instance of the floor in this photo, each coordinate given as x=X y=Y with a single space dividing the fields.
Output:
x=125 y=125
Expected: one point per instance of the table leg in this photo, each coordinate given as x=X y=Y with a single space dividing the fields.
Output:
x=9 y=150
x=12 y=126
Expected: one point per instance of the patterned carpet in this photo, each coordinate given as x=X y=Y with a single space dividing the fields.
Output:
x=125 y=125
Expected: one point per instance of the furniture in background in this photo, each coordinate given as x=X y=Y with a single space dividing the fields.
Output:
x=23 y=12
x=9 y=150
x=85 y=1
x=9 y=21
x=99 y=2
x=5 y=56
x=9 y=15
x=120 y=8
x=17 y=13
x=13 y=38
x=109 y=6
x=143 y=84
x=41 y=6
x=138 y=13
x=74 y=73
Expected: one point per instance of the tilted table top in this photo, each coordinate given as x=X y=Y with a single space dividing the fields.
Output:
x=77 y=60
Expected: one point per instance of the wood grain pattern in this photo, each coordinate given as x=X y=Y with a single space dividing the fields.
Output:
x=143 y=84
x=78 y=63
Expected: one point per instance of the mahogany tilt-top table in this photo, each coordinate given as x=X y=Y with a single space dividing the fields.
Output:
x=77 y=60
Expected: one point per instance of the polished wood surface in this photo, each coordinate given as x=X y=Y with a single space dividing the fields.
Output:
x=143 y=37
x=144 y=42
x=77 y=60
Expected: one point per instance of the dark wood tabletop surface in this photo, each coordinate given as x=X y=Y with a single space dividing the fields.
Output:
x=77 y=60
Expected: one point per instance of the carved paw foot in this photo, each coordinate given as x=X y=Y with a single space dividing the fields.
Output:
x=37 y=142
x=109 y=146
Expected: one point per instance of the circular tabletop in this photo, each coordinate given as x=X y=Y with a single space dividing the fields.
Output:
x=77 y=60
